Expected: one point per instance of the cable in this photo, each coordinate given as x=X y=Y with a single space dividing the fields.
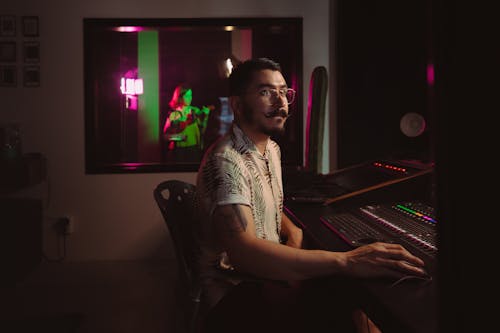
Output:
x=411 y=277
x=47 y=204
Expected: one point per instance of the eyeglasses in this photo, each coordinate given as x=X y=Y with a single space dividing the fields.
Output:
x=272 y=94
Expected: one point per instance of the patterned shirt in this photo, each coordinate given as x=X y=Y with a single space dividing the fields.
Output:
x=234 y=172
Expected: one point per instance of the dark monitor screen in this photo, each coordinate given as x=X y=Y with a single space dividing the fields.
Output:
x=133 y=69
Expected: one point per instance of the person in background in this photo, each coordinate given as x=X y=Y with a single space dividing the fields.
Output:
x=256 y=276
x=185 y=123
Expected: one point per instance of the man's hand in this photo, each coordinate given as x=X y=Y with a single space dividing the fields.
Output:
x=382 y=259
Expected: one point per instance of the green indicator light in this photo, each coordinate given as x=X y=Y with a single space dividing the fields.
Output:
x=414 y=212
x=407 y=209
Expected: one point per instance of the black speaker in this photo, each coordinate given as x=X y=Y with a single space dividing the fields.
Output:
x=384 y=76
x=315 y=124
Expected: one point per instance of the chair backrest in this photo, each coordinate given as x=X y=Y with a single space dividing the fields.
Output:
x=176 y=200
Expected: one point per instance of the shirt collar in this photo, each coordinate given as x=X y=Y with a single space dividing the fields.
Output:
x=243 y=143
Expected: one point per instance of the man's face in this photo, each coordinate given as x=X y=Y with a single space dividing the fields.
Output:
x=263 y=110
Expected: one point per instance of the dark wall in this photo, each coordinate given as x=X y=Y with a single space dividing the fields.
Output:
x=466 y=101
x=267 y=42
x=382 y=52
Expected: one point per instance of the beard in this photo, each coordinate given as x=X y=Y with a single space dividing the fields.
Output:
x=274 y=131
x=250 y=117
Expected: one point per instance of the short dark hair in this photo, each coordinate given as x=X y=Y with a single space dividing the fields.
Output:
x=242 y=73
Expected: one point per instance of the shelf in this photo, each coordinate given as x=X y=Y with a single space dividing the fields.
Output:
x=22 y=172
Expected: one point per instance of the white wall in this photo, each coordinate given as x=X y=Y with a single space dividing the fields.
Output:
x=116 y=216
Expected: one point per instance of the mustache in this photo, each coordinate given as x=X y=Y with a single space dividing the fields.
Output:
x=278 y=112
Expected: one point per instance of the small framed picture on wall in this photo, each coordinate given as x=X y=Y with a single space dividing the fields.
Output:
x=8 y=76
x=30 y=26
x=7 y=25
x=31 y=76
x=8 y=51
x=31 y=51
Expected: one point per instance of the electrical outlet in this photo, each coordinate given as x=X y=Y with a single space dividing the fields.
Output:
x=66 y=225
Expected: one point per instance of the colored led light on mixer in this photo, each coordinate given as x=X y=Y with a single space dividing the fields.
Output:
x=388 y=166
x=414 y=212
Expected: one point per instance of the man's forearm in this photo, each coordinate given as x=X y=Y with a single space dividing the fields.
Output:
x=280 y=262
x=236 y=231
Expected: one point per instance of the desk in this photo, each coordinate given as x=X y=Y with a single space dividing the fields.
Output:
x=21 y=217
x=21 y=237
x=410 y=306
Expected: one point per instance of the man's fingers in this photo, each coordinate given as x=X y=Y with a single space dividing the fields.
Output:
x=402 y=266
x=398 y=252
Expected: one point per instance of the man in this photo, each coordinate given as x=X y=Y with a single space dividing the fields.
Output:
x=249 y=247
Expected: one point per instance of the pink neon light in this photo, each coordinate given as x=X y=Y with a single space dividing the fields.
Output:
x=129 y=29
x=131 y=102
x=308 y=127
x=138 y=87
x=131 y=86
x=122 y=85
x=131 y=166
x=430 y=74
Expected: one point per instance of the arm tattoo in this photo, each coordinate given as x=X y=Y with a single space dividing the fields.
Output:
x=232 y=221
x=239 y=216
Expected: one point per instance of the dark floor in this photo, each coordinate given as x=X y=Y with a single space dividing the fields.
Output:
x=114 y=296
